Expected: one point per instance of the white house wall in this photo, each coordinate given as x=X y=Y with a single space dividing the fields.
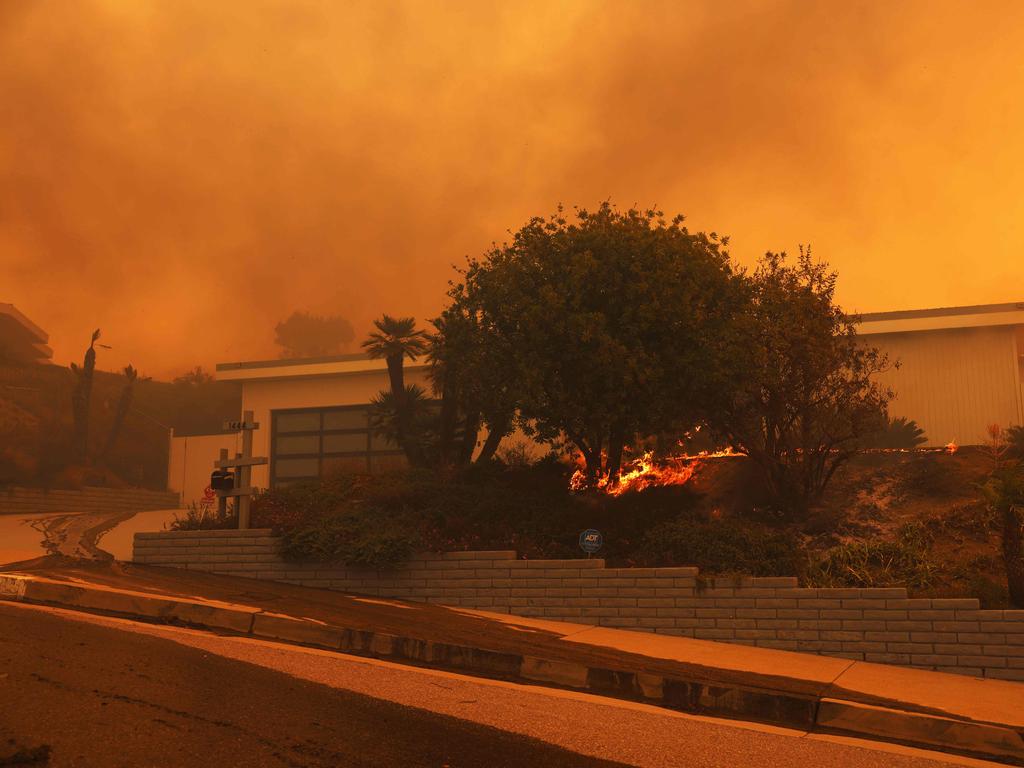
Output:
x=954 y=382
x=261 y=397
x=191 y=462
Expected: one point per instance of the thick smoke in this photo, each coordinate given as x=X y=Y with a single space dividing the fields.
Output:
x=186 y=174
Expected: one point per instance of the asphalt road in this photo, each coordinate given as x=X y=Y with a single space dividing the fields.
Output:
x=100 y=696
x=109 y=692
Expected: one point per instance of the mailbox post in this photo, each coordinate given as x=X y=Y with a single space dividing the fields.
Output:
x=242 y=465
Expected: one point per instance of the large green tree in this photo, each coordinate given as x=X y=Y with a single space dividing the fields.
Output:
x=601 y=324
x=470 y=372
x=802 y=394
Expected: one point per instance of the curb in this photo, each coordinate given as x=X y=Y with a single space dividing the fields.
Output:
x=716 y=698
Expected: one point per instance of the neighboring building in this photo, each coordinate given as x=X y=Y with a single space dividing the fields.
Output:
x=960 y=370
x=21 y=340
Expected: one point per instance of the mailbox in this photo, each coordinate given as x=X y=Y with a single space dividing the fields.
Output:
x=222 y=480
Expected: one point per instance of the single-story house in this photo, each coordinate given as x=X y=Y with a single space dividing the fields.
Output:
x=959 y=371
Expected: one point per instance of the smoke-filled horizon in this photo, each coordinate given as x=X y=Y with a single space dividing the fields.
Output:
x=185 y=175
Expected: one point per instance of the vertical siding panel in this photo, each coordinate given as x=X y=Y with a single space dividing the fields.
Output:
x=955 y=382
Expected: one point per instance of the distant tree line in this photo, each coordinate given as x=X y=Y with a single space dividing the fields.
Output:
x=303 y=334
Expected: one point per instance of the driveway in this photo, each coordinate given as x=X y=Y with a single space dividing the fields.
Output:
x=87 y=535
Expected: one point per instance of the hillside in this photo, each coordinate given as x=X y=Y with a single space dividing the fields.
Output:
x=909 y=518
x=36 y=426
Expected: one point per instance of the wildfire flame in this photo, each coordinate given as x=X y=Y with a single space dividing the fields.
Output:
x=648 y=472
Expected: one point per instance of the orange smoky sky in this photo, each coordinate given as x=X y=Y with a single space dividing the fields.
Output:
x=185 y=174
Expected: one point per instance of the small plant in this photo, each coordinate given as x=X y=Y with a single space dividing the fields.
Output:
x=516 y=454
x=198 y=518
x=877 y=563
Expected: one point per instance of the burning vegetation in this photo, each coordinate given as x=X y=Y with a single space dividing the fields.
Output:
x=647 y=472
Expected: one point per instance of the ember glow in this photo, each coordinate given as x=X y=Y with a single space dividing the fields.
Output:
x=648 y=472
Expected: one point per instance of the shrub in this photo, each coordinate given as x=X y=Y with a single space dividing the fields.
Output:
x=353 y=538
x=933 y=475
x=722 y=547
x=293 y=506
x=897 y=433
x=198 y=519
x=381 y=519
x=877 y=563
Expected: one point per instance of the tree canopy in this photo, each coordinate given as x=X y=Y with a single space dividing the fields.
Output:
x=304 y=334
x=801 y=393
x=600 y=321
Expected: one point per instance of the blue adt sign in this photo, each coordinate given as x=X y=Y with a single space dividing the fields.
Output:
x=591 y=541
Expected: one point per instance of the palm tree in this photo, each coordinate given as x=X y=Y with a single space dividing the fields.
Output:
x=81 y=397
x=394 y=340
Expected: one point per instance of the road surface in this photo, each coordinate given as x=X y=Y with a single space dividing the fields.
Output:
x=99 y=691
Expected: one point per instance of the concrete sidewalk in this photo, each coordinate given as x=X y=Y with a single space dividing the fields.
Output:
x=982 y=718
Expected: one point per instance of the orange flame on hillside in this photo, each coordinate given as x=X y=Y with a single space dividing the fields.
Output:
x=648 y=472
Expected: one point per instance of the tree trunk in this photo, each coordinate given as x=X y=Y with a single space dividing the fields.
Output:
x=471 y=430
x=396 y=374
x=81 y=400
x=496 y=431
x=123 y=406
x=1013 y=555
x=448 y=417
x=616 y=440
x=592 y=455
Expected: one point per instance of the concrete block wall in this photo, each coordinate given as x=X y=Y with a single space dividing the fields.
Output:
x=30 y=500
x=879 y=625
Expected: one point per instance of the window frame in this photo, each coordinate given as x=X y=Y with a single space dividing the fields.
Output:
x=369 y=453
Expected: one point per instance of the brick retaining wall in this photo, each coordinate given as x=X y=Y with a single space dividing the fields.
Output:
x=29 y=500
x=880 y=625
